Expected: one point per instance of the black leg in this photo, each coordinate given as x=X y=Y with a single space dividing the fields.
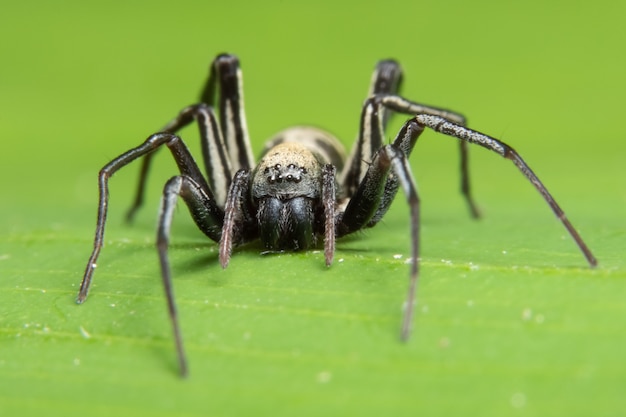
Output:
x=370 y=142
x=404 y=142
x=366 y=202
x=173 y=189
x=465 y=182
x=200 y=207
x=184 y=118
x=226 y=73
x=187 y=167
x=386 y=79
x=402 y=105
x=226 y=81
x=403 y=172
x=236 y=217
x=217 y=162
x=379 y=185
x=329 y=191
x=446 y=127
x=371 y=138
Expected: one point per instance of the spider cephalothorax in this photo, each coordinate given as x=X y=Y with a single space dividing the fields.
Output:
x=286 y=193
x=303 y=190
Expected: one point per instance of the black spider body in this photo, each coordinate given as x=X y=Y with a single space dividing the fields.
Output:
x=304 y=190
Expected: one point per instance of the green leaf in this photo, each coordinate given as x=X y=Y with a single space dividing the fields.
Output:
x=510 y=319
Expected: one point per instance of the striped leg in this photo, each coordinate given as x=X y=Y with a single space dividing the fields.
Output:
x=380 y=183
x=386 y=81
x=226 y=74
x=444 y=122
x=197 y=201
x=370 y=140
x=443 y=125
x=207 y=214
x=452 y=124
x=379 y=186
x=237 y=217
x=230 y=133
x=390 y=161
x=217 y=163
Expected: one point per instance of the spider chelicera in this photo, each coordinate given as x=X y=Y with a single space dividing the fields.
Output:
x=303 y=189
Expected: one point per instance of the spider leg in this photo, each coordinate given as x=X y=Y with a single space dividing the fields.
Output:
x=208 y=215
x=374 y=116
x=226 y=72
x=230 y=133
x=371 y=134
x=465 y=182
x=192 y=193
x=403 y=172
x=236 y=217
x=376 y=191
x=221 y=227
x=372 y=130
x=386 y=79
x=184 y=118
x=216 y=160
x=329 y=191
x=389 y=162
x=402 y=105
x=442 y=125
x=370 y=140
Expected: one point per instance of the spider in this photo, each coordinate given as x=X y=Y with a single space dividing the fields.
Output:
x=303 y=189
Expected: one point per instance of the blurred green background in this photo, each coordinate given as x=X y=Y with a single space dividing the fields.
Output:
x=510 y=320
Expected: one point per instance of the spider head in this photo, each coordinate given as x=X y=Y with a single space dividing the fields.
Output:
x=286 y=191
